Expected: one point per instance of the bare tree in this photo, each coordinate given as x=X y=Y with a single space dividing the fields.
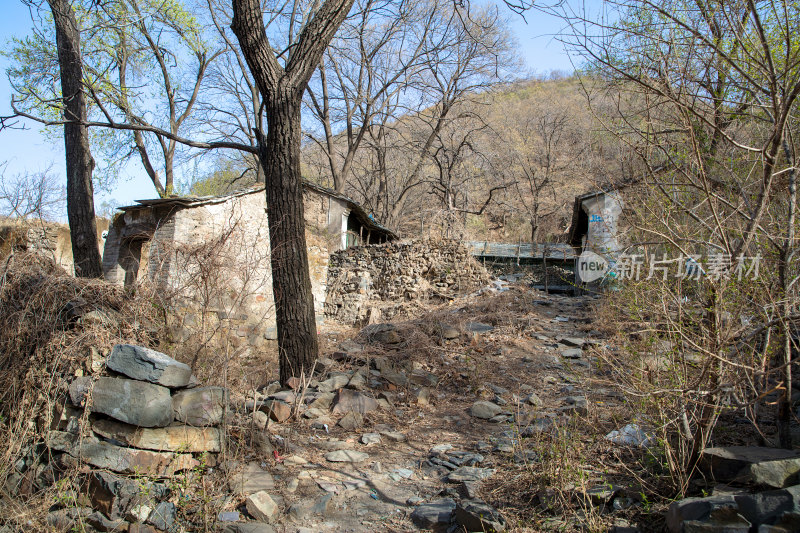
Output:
x=141 y=56
x=459 y=58
x=714 y=86
x=282 y=87
x=36 y=195
x=376 y=56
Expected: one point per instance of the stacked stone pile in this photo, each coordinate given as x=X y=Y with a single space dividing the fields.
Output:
x=755 y=489
x=147 y=420
x=398 y=271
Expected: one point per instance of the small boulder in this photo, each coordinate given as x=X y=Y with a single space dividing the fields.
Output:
x=78 y=389
x=476 y=515
x=261 y=506
x=203 y=406
x=134 y=402
x=485 y=410
x=163 y=516
x=351 y=421
x=370 y=438
x=534 y=400
x=349 y=400
x=145 y=364
x=277 y=410
x=434 y=515
x=770 y=467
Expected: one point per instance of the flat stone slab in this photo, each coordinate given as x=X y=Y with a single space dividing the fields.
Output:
x=478 y=327
x=204 y=406
x=575 y=342
x=144 y=364
x=134 y=402
x=346 y=456
x=468 y=473
x=118 y=459
x=251 y=479
x=348 y=400
x=771 y=467
x=434 y=515
x=172 y=438
x=249 y=527
x=572 y=353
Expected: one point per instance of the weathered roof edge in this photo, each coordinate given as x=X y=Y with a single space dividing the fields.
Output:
x=188 y=202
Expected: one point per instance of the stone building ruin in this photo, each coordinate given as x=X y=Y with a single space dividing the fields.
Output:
x=213 y=253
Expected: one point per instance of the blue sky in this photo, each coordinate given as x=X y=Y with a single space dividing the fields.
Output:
x=30 y=150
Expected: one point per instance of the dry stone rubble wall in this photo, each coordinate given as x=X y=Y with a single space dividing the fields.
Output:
x=362 y=279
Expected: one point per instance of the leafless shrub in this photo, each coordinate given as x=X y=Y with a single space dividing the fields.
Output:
x=37 y=195
x=216 y=297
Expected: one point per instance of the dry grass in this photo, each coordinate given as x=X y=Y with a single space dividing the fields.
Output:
x=49 y=322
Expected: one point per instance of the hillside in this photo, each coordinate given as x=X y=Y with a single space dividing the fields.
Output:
x=504 y=162
x=532 y=146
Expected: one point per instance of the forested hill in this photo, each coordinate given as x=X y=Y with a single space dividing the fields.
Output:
x=504 y=164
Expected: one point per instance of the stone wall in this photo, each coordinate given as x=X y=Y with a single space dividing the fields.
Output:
x=211 y=260
x=362 y=279
x=48 y=238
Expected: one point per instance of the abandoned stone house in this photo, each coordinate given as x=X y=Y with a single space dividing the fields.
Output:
x=213 y=253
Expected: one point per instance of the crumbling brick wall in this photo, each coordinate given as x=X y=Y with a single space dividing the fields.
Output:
x=361 y=278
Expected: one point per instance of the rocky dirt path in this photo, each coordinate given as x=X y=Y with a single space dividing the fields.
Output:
x=409 y=419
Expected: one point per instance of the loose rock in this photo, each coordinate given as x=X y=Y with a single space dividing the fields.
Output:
x=134 y=402
x=204 y=406
x=261 y=506
x=348 y=400
x=346 y=456
x=485 y=410
x=476 y=515
x=434 y=514
x=145 y=364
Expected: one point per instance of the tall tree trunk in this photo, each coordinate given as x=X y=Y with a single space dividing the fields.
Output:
x=291 y=284
x=279 y=152
x=80 y=193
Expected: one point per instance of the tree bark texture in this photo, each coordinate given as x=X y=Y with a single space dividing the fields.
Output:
x=80 y=192
x=291 y=284
x=279 y=153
